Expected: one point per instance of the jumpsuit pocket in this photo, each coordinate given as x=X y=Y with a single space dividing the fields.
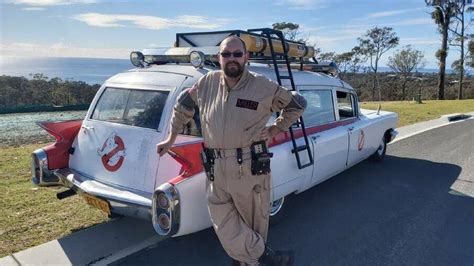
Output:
x=262 y=195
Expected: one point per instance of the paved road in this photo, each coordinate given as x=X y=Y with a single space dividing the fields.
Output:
x=412 y=209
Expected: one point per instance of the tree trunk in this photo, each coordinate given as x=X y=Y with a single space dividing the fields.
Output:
x=461 y=73
x=403 y=88
x=442 y=60
x=374 y=86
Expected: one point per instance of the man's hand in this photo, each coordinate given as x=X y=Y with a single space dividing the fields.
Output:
x=165 y=145
x=269 y=132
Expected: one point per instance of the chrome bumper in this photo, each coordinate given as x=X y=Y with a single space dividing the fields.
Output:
x=121 y=201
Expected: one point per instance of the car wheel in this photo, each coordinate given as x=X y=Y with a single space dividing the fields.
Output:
x=379 y=154
x=276 y=210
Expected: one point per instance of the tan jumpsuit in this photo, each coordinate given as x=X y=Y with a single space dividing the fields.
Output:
x=238 y=202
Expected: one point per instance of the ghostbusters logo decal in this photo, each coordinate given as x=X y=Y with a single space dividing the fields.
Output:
x=112 y=152
x=361 y=140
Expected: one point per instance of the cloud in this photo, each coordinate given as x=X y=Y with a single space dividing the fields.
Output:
x=419 y=41
x=413 y=22
x=304 y=4
x=33 y=8
x=391 y=13
x=151 y=22
x=51 y=2
x=59 y=50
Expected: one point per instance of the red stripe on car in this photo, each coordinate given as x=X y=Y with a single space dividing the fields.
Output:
x=188 y=154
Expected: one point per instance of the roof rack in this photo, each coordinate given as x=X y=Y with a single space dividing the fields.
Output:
x=199 y=48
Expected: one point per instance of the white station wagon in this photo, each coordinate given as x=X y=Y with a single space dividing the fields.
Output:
x=110 y=156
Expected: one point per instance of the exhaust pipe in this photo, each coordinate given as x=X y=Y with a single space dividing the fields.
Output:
x=65 y=194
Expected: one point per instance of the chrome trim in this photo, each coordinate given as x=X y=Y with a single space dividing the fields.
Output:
x=276 y=205
x=121 y=201
x=172 y=211
x=41 y=175
x=393 y=135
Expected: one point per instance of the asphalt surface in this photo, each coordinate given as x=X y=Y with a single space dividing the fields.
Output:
x=414 y=208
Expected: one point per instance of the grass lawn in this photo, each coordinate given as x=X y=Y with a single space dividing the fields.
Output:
x=411 y=112
x=29 y=215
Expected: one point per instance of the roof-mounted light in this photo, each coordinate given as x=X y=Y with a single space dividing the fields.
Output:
x=197 y=59
x=137 y=59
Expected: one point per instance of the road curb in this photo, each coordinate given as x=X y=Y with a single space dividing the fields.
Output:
x=415 y=129
x=99 y=245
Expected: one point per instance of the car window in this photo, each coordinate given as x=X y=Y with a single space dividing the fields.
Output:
x=345 y=105
x=141 y=108
x=320 y=107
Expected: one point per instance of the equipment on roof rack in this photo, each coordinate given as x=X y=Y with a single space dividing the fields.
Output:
x=257 y=45
x=329 y=68
x=200 y=48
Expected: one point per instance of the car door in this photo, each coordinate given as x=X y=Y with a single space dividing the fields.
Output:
x=329 y=138
x=347 y=109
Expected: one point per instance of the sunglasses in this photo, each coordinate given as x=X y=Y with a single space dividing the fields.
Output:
x=234 y=54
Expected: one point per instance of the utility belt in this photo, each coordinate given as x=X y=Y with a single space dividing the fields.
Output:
x=258 y=153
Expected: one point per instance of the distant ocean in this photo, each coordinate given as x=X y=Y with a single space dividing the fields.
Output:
x=89 y=70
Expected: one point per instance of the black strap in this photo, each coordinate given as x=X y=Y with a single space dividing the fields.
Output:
x=239 y=156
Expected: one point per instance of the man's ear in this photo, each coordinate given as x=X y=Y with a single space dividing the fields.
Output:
x=247 y=55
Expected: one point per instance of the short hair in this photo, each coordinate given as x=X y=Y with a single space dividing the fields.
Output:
x=236 y=37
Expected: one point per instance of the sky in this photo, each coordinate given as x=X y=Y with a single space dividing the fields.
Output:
x=112 y=29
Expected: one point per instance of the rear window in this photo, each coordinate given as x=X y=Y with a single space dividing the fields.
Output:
x=140 y=108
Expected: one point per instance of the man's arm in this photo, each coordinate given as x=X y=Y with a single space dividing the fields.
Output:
x=291 y=106
x=183 y=112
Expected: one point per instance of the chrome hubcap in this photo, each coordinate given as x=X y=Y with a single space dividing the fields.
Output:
x=276 y=206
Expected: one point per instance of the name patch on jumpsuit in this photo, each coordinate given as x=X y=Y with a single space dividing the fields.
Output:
x=248 y=104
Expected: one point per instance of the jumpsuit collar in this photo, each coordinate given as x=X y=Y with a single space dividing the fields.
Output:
x=241 y=83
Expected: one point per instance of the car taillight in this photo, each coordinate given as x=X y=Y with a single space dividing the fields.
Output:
x=166 y=210
x=164 y=221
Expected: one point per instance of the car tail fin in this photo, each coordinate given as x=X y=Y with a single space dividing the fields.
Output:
x=62 y=130
x=188 y=156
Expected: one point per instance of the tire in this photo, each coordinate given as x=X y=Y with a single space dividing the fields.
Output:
x=379 y=154
x=277 y=211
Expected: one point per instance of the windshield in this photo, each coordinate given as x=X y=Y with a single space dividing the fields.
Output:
x=140 y=108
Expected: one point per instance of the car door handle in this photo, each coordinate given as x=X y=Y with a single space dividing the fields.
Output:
x=315 y=137
x=351 y=128
x=87 y=127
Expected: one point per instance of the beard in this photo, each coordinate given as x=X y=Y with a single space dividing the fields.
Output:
x=233 y=69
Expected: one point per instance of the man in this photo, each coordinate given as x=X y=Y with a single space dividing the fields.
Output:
x=235 y=106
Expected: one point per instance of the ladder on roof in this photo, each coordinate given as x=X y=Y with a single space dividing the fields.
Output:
x=267 y=32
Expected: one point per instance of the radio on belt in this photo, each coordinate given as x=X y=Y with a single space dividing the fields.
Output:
x=260 y=158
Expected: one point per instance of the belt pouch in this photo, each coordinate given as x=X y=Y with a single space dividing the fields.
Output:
x=207 y=160
x=260 y=158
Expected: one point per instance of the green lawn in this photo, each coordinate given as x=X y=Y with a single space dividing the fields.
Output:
x=411 y=112
x=30 y=216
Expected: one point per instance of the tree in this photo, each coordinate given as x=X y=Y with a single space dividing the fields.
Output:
x=404 y=61
x=443 y=14
x=373 y=45
x=470 y=54
x=291 y=31
x=458 y=29
x=349 y=61
x=326 y=56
